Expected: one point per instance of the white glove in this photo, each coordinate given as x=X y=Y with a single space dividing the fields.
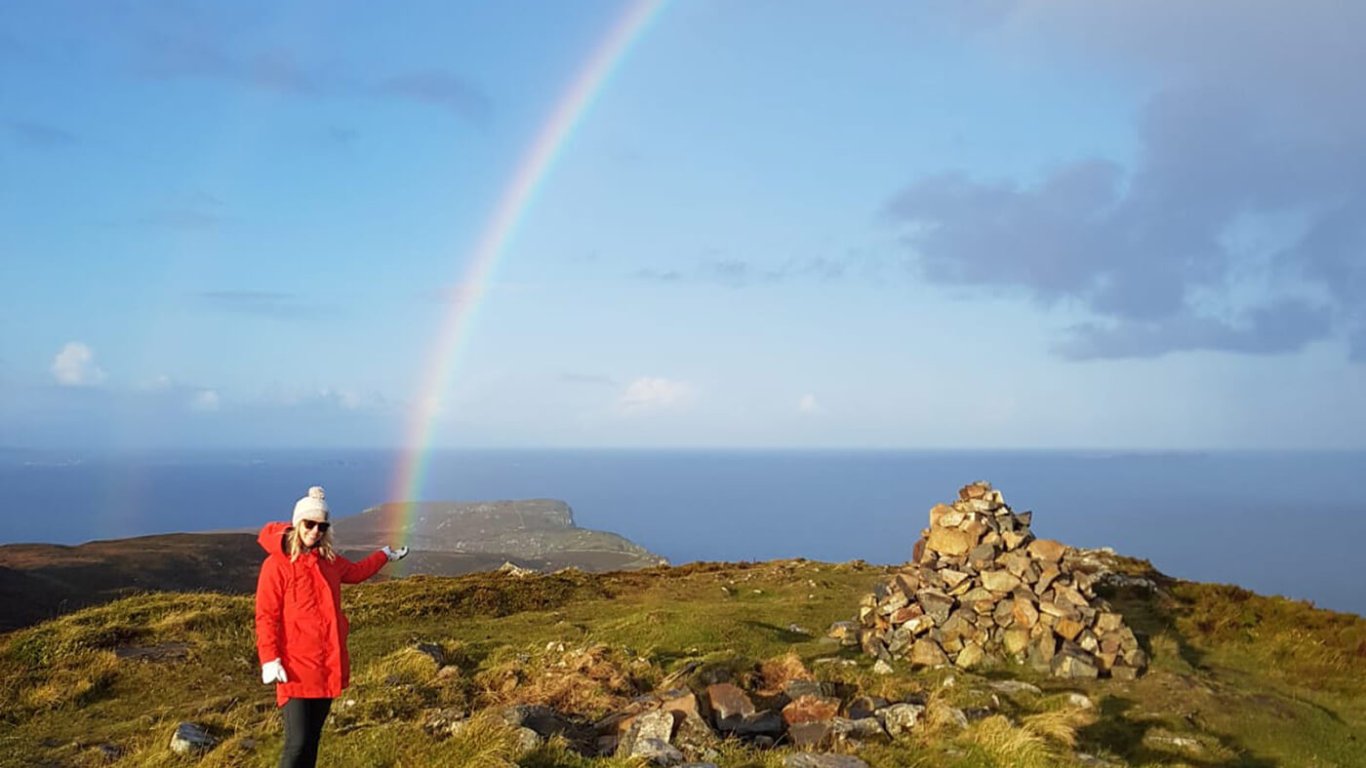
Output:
x=395 y=554
x=273 y=672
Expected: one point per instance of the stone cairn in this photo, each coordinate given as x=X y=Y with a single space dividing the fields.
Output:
x=981 y=589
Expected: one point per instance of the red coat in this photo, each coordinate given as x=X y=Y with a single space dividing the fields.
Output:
x=299 y=619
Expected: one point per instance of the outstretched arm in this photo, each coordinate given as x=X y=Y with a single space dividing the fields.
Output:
x=355 y=573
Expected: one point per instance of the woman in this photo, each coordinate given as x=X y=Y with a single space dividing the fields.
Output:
x=300 y=628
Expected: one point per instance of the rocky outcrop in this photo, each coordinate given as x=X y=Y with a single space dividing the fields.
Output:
x=981 y=589
x=532 y=533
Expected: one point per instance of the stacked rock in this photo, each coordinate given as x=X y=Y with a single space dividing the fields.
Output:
x=980 y=588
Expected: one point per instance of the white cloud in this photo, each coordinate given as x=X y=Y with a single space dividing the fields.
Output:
x=205 y=400
x=74 y=366
x=808 y=404
x=653 y=392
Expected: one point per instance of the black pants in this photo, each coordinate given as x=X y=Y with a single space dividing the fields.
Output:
x=304 y=720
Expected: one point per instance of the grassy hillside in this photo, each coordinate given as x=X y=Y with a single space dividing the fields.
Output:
x=1236 y=679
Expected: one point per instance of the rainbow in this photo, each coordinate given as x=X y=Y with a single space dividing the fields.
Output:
x=465 y=296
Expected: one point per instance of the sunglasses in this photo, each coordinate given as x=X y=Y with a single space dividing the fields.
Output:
x=311 y=524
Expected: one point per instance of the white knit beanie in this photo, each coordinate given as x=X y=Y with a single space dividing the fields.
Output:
x=311 y=507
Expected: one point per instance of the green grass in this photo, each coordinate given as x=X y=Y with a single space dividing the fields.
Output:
x=1247 y=680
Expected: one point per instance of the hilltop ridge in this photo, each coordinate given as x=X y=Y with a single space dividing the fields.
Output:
x=39 y=581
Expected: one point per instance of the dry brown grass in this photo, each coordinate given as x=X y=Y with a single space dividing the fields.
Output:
x=586 y=682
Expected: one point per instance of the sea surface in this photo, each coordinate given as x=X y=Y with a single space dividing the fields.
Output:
x=1277 y=523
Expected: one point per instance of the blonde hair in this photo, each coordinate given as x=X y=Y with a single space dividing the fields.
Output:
x=294 y=544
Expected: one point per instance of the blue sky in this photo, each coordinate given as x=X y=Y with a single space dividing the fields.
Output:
x=1010 y=224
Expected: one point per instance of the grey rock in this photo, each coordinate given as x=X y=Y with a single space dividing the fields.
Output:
x=1011 y=687
x=543 y=720
x=434 y=651
x=528 y=739
x=864 y=706
x=811 y=735
x=863 y=728
x=657 y=725
x=658 y=752
x=796 y=689
x=767 y=723
x=190 y=738
x=899 y=719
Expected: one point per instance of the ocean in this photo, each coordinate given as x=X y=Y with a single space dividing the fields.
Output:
x=1276 y=523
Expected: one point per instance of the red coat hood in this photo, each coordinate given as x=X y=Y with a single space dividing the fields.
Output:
x=272 y=538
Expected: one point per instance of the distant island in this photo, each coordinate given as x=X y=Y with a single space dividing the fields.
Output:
x=446 y=538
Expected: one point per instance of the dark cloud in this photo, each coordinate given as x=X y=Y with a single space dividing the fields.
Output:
x=1282 y=327
x=1234 y=135
x=262 y=303
x=40 y=135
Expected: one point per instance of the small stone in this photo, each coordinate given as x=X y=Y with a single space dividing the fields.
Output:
x=1068 y=629
x=950 y=541
x=847 y=632
x=729 y=705
x=861 y=707
x=1013 y=539
x=811 y=735
x=971 y=655
x=658 y=752
x=1024 y=613
x=1012 y=687
x=858 y=728
x=1079 y=701
x=983 y=554
x=1073 y=665
x=1123 y=672
x=974 y=490
x=438 y=654
x=937 y=513
x=936 y=604
x=527 y=739
x=1047 y=550
x=951 y=577
x=807 y=709
x=768 y=723
x=999 y=581
x=881 y=667
x=796 y=689
x=191 y=738
x=927 y=653
x=904 y=615
x=899 y=719
x=1016 y=641
x=1046 y=578
x=657 y=725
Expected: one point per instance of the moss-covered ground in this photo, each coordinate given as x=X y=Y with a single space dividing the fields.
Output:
x=1236 y=679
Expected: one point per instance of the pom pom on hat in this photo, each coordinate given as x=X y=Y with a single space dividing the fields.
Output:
x=312 y=507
